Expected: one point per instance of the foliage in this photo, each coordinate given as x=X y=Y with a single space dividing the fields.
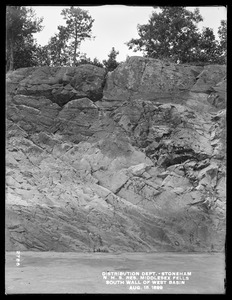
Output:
x=20 y=45
x=42 y=55
x=173 y=34
x=207 y=50
x=111 y=63
x=86 y=60
x=97 y=63
x=63 y=47
x=57 y=47
x=222 y=33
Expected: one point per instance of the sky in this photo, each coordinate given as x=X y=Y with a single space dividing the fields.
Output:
x=115 y=25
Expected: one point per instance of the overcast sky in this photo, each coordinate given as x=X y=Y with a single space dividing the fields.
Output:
x=115 y=25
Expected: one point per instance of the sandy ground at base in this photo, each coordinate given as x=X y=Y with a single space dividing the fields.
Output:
x=79 y=273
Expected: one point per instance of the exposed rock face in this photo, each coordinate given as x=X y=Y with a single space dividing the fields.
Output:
x=142 y=169
x=150 y=79
x=60 y=84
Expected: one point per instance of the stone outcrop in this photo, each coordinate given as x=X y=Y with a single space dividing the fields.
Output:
x=150 y=79
x=60 y=84
x=164 y=82
x=129 y=161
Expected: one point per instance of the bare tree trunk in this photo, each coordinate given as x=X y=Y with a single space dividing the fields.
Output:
x=75 y=49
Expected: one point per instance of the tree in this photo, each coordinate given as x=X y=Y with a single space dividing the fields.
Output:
x=57 y=48
x=20 y=26
x=172 y=34
x=63 y=46
x=207 y=50
x=78 y=27
x=83 y=60
x=111 y=63
x=97 y=63
x=25 y=53
x=43 y=55
x=222 y=33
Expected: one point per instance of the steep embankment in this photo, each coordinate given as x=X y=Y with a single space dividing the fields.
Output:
x=132 y=160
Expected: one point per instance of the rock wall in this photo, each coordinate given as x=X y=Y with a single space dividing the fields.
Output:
x=132 y=160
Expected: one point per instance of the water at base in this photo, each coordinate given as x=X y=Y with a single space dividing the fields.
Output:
x=119 y=273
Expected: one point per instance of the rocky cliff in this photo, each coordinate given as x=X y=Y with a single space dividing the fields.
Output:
x=132 y=160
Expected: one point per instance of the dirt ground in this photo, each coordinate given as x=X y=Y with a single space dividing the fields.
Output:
x=79 y=273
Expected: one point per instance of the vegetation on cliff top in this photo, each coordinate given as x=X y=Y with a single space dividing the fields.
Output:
x=171 y=34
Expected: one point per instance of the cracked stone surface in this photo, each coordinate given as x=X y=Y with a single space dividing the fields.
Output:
x=136 y=163
x=59 y=84
x=150 y=79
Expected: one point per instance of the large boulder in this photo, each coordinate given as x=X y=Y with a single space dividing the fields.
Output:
x=212 y=81
x=31 y=113
x=150 y=79
x=59 y=84
x=209 y=77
